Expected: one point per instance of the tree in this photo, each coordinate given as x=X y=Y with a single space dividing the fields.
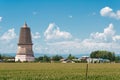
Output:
x=46 y=58
x=103 y=54
x=39 y=59
x=0 y=56
x=56 y=58
x=117 y=59
x=70 y=57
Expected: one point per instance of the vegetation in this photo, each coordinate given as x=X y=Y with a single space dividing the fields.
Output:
x=117 y=59
x=103 y=54
x=58 y=71
x=6 y=58
x=0 y=56
x=56 y=58
x=70 y=57
x=44 y=58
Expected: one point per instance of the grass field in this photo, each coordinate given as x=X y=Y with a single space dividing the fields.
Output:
x=58 y=71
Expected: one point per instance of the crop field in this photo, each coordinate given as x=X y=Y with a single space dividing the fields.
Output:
x=58 y=71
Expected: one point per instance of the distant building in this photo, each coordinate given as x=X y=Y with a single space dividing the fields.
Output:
x=25 y=52
x=93 y=60
x=66 y=61
x=1 y=60
x=84 y=57
x=97 y=60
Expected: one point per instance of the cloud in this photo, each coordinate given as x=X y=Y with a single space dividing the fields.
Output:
x=36 y=35
x=8 y=47
x=79 y=47
x=0 y=19
x=106 y=40
x=9 y=35
x=107 y=11
x=90 y=45
x=64 y=47
x=8 y=41
x=106 y=36
x=116 y=38
x=53 y=32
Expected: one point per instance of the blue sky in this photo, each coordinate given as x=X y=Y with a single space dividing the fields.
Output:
x=61 y=26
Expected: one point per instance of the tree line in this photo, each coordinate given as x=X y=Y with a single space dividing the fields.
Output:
x=56 y=58
x=95 y=54
x=5 y=58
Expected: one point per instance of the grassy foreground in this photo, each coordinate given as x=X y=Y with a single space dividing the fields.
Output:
x=58 y=71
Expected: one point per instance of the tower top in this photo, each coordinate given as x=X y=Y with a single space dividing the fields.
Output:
x=25 y=25
x=25 y=36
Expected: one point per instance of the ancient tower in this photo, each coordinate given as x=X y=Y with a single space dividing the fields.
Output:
x=25 y=52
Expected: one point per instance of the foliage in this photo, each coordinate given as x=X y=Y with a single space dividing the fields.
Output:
x=70 y=57
x=103 y=54
x=56 y=58
x=44 y=58
x=0 y=56
x=39 y=59
x=6 y=58
x=117 y=59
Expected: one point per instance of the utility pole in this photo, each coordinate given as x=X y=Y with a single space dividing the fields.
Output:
x=86 y=72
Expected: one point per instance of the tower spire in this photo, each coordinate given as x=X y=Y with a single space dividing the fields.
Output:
x=25 y=25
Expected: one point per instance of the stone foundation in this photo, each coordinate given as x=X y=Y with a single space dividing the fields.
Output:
x=23 y=58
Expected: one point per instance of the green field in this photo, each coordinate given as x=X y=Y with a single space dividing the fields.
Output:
x=58 y=71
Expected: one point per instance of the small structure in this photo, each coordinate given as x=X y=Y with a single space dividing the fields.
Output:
x=67 y=61
x=87 y=59
x=97 y=60
x=25 y=52
x=84 y=58
x=1 y=60
x=10 y=60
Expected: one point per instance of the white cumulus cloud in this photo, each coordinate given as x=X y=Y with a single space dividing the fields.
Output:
x=36 y=35
x=106 y=35
x=116 y=38
x=53 y=32
x=9 y=35
x=106 y=40
x=8 y=39
x=107 y=11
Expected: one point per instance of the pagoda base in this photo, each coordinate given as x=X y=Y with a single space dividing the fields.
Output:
x=23 y=58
